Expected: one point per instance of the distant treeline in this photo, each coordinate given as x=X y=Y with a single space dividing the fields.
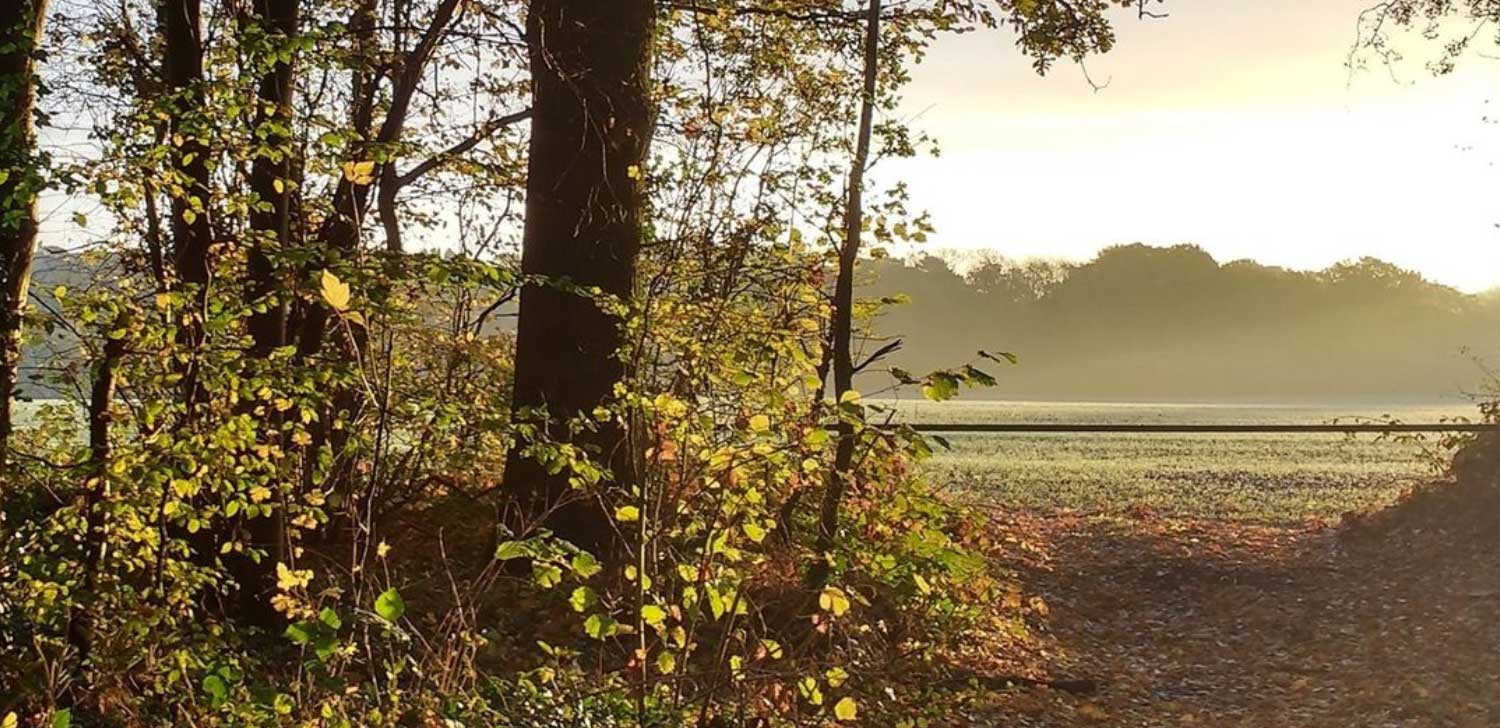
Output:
x=1142 y=322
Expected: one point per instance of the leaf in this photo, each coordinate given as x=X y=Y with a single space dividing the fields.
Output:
x=389 y=605
x=214 y=687
x=627 y=514
x=581 y=599
x=666 y=663
x=833 y=599
x=330 y=618
x=335 y=291
x=297 y=632
x=600 y=626
x=849 y=397
x=760 y=423
x=360 y=173
x=653 y=615
x=754 y=531
x=1004 y=356
x=585 y=565
x=940 y=387
x=836 y=676
x=845 y=709
x=510 y=550
x=62 y=718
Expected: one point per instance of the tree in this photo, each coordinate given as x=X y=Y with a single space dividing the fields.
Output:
x=585 y=223
x=21 y=23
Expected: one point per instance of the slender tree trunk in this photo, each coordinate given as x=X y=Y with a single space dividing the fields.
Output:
x=843 y=304
x=81 y=617
x=591 y=128
x=271 y=180
x=20 y=33
x=192 y=233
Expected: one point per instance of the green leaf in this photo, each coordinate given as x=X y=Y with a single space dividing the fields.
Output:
x=510 y=550
x=62 y=718
x=599 y=626
x=754 y=531
x=330 y=618
x=214 y=687
x=585 y=565
x=389 y=605
x=940 y=387
x=581 y=599
x=546 y=575
x=653 y=615
x=298 y=633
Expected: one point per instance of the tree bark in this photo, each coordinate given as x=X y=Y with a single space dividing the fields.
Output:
x=21 y=23
x=192 y=233
x=843 y=305
x=81 y=615
x=271 y=229
x=591 y=129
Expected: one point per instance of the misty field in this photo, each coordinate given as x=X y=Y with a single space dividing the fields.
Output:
x=1263 y=478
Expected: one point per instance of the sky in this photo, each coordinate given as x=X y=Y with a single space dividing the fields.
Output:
x=1235 y=125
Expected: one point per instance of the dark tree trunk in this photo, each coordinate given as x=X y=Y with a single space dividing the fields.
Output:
x=192 y=234
x=271 y=181
x=271 y=230
x=591 y=126
x=20 y=33
x=181 y=23
x=81 y=617
x=843 y=303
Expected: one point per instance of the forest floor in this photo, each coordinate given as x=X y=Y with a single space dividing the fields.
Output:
x=1223 y=623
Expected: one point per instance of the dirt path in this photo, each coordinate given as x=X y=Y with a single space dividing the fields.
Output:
x=1220 y=624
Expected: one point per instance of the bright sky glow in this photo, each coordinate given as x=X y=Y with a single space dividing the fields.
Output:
x=1232 y=124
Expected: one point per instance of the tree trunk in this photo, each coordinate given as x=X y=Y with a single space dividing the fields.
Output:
x=843 y=305
x=270 y=178
x=192 y=234
x=591 y=127
x=81 y=616
x=20 y=33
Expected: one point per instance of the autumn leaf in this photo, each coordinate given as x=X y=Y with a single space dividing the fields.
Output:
x=335 y=291
x=845 y=709
x=360 y=173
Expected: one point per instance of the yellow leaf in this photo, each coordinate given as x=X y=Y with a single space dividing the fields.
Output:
x=849 y=397
x=10 y=721
x=360 y=173
x=666 y=663
x=760 y=423
x=834 y=600
x=836 y=676
x=626 y=514
x=845 y=709
x=335 y=291
x=754 y=531
x=633 y=171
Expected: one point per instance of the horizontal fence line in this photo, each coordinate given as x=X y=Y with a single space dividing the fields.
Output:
x=1190 y=429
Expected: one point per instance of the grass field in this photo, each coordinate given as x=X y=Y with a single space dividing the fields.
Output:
x=1267 y=478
